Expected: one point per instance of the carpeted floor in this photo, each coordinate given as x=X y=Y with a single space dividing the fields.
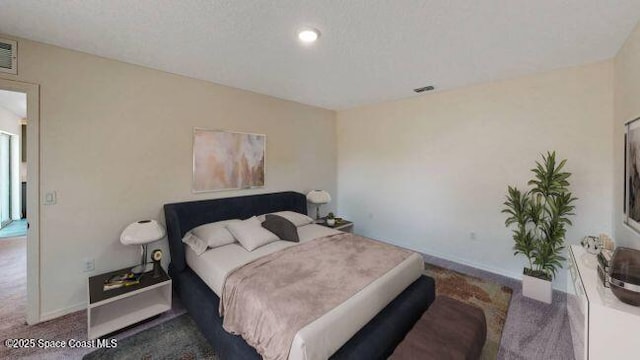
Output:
x=15 y=229
x=13 y=292
x=186 y=341
x=178 y=338
x=491 y=297
x=533 y=330
x=72 y=326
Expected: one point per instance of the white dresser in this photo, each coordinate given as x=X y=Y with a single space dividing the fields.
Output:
x=602 y=327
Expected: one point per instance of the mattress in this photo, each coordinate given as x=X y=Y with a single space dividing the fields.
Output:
x=322 y=337
x=214 y=265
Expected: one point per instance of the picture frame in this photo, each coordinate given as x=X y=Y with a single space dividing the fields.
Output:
x=226 y=160
x=631 y=207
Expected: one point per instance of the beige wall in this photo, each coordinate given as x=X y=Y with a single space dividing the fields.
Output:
x=423 y=172
x=426 y=172
x=627 y=107
x=116 y=144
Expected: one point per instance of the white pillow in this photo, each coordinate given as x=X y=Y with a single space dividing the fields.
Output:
x=215 y=234
x=296 y=218
x=195 y=243
x=251 y=234
x=209 y=235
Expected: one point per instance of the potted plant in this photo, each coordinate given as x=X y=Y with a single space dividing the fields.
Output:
x=539 y=218
x=331 y=219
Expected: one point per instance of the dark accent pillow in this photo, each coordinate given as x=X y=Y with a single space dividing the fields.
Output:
x=282 y=227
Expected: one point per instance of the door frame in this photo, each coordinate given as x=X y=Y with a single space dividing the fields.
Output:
x=33 y=193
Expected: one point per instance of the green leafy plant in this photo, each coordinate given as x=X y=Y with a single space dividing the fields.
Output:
x=330 y=216
x=539 y=217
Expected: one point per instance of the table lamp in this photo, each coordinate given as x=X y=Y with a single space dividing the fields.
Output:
x=318 y=197
x=142 y=233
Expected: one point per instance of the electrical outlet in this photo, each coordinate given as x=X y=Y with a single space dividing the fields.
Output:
x=472 y=235
x=89 y=264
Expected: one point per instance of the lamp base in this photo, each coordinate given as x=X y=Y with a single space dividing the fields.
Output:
x=144 y=265
x=142 y=268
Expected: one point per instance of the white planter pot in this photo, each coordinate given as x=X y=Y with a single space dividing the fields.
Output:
x=537 y=289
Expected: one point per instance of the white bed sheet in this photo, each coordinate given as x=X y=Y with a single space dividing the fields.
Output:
x=214 y=265
x=324 y=336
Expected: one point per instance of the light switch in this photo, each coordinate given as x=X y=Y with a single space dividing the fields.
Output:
x=50 y=198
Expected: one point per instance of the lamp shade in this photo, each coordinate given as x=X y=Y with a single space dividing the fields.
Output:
x=318 y=197
x=142 y=232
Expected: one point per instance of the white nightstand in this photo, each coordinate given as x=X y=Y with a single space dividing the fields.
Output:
x=115 y=309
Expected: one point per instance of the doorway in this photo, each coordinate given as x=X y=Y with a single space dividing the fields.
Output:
x=13 y=116
x=19 y=194
x=13 y=222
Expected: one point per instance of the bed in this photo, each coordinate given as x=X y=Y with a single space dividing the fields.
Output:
x=367 y=326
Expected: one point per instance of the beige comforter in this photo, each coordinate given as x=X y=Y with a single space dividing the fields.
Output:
x=270 y=299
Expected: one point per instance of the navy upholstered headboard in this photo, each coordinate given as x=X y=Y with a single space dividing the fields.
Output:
x=184 y=216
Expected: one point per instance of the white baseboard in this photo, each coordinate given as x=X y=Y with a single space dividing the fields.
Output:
x=459 y=260
x=61 y=312
x=473 y=264
x=484 y=267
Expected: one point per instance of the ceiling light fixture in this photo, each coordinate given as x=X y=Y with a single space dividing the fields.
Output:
x=308 y=35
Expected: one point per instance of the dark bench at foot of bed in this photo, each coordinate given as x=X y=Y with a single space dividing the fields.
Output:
x=449 y=330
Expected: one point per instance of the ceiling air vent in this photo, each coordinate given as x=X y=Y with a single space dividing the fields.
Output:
x=8 y=56
x=423 y=89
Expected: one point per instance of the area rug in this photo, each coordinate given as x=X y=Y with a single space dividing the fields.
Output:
x=178 y=338
x=491 y=297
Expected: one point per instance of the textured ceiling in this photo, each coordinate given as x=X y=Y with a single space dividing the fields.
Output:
x=369 y=51
x=15 y=102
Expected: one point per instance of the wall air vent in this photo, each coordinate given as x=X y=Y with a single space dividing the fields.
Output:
x=8 y=56
x=423 y=89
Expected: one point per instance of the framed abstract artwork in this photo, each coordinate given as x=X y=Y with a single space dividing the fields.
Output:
x=632 y=174
x=227 y=160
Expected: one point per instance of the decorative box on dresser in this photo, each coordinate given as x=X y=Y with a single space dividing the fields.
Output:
x=602 y=327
